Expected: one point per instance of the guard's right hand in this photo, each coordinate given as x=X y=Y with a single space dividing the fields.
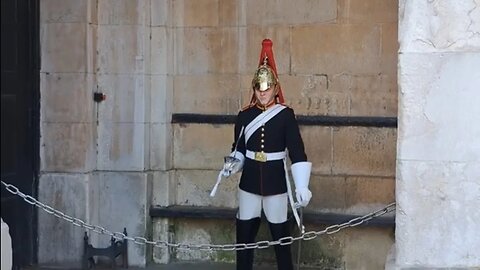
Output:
x=226 y=173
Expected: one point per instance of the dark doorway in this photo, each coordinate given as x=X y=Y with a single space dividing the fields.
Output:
x=20 y=123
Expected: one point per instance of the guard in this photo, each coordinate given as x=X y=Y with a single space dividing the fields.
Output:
x=266 y=131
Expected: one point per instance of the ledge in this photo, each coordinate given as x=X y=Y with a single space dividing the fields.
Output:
x=309 y=216
x=305 y=120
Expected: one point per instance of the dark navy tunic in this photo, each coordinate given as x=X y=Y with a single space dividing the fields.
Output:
x=279 y=133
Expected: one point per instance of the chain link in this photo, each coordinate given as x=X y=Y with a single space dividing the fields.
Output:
x=288 y=240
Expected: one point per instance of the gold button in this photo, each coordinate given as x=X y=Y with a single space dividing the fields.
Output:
x=263 y=129
x=263 y=135
x=262 y=140
x=262 y=146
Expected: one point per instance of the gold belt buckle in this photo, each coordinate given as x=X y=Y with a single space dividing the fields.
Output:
x=260 y=156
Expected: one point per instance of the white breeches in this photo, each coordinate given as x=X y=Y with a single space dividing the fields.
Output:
x=250 y=206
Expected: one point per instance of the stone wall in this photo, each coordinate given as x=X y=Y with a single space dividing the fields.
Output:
x=109 y=162
x=438 y=159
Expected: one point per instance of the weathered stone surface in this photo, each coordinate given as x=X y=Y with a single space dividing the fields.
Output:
x=205 y=13
x=66 y=97
x=207 y=94
x=194 y=187
x=60 y=242
x=121 y=146
x=333 y=49
x=161 y=12
x=161 y=56
x=250 y=46
x=118 y=201
x=161 y=99
x=67 y=147
x=162 y=230
x=328 y=193
x=366 y=194
x=448 y=218
x=125 y=101
x=164 y=188
x=439 y=93
x=390 y=46
x=318 y=147
x=198 y=146
x=63 y=11
x=374 y=95
x=443 y=26
x=364 y=151
x=272 y=12
x=367 y=248
x=371 y=11
x=123 y=12
x=310 y=95
x=161 y=152
x=55 y=38
x=120 y=49
x=215 y=50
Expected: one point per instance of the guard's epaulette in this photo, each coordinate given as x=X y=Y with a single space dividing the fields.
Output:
x=248 y=106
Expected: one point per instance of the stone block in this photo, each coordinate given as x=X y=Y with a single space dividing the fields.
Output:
x=429 y=84
x=372 y=95
x=445 y=26
x=272 y=12
x=332 y=49
x=205 y=13
x=92 y=12
x=161 y=13
x=200 y=231
x=250 y=46
x=370 y=11
x=122 y=146
x=123 y=12
x=91 y=44
x=318 y=147
x=59 y=241
x=309 y=95
x=161 y=141
x=215 y=50
x=125 y=101
x=163 y=188
x=66 y=97
x=364 y=151
x=367 y=248
x=161 y=99
x=448 y=193
x=194 y=187
x=67 y=147
x=390 y=46
x=121 y=200
x=328 y=193
x=63 y=47
x=201 y=146
x=161 y=56
x=120 y=49
x=206 y=94
x=162 y=230
x=323 y=252
x=366 y=194
x=63 y=11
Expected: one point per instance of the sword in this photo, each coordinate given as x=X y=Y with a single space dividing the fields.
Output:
x=302 y=231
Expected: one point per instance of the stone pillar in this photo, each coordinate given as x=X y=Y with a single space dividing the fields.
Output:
x=438 y=154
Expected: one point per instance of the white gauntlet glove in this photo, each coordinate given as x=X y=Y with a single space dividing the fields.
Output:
x=232 y=166
x=301 y=176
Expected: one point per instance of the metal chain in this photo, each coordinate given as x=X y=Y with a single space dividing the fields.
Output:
x=288 y=240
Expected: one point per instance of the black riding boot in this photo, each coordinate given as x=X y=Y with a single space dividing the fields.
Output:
x=246 y=232
x=283 y=254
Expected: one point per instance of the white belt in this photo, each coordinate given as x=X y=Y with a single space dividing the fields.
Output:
x=264 y=157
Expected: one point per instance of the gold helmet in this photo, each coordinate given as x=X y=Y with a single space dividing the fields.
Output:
x=264 y=77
